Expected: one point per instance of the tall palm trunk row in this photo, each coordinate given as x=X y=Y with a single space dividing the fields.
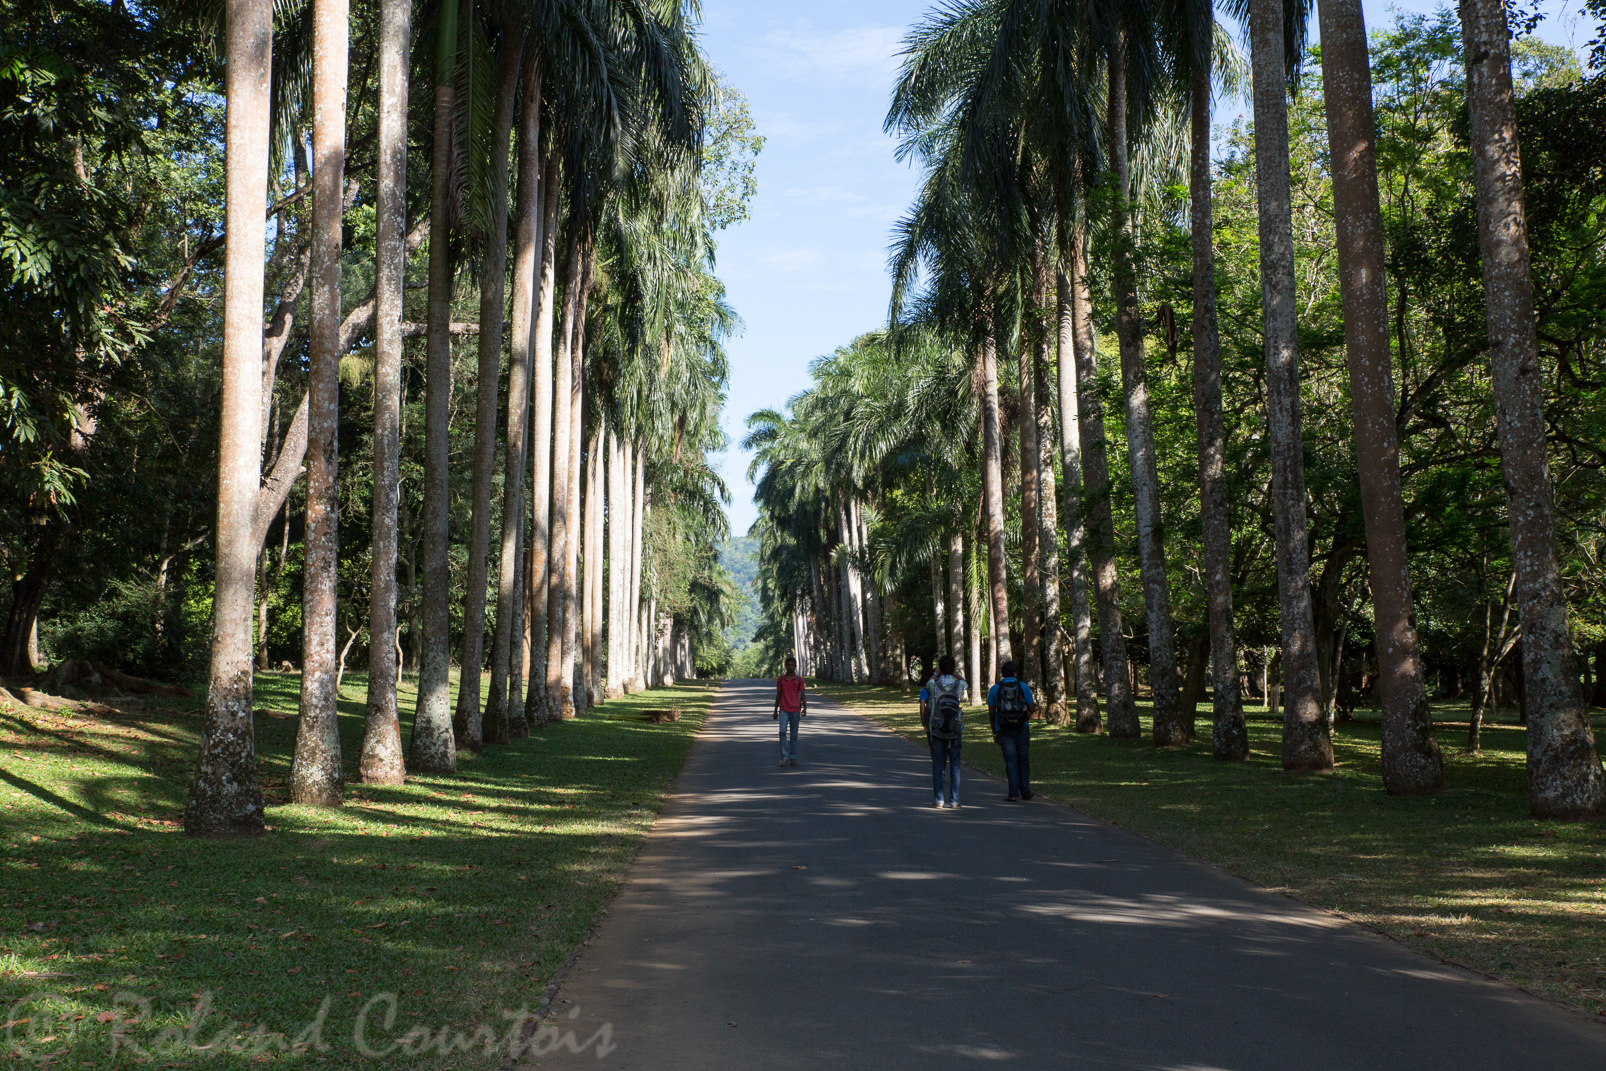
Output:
x=536 y=617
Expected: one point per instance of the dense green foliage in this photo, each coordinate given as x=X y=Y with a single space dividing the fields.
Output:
x=111 y=207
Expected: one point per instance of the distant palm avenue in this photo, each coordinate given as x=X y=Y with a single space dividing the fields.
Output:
x=951 y=484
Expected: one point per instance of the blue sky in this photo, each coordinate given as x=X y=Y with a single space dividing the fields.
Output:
x=807 y=272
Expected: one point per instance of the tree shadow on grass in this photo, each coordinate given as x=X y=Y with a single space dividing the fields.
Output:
x=460 y=917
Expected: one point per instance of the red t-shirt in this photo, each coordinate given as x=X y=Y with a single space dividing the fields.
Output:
x=789 y=693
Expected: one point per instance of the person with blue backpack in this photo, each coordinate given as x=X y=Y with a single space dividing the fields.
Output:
x=1010 y=705
x=942 y=709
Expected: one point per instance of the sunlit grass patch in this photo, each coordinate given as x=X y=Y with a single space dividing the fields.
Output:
x=448 y=903
x=1464 y=874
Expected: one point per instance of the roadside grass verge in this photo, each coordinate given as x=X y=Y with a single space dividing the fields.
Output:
x=1465 y=875
x=447 y=904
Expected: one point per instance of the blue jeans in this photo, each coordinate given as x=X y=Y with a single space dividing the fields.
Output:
x=789 y=718
x=945 y=753
x=1016 y=744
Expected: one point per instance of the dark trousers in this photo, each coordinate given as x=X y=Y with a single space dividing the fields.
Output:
x=1016 y=745
x=945 y=755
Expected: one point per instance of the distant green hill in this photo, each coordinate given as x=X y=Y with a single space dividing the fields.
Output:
x=739 y=556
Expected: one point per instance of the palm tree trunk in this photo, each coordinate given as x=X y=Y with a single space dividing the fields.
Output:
x=1411 y=759
x=1048 y=557
x=825 y=650
x=225 y=798
x=504 y=706
x=558 y=553
x=538 y=546
x=1096 y=494
x=838 y=586
x=850 y=600
x=431 y=749
x=993 y=491
x=938 y=608
x=467 y=726
x=1169 y=730
x=638 y=529
x=627 y=609
x=596 y=498
x=1564 y=771
x=616 y=564
x=1087 y=697
x=863 y=668
x=875 y=645
x=973 y=616
x=315 y=776
x=1306 y=745
x=572 y=703
x=1029 y=660
x=380 y=761
x=956 y=597
x=1229 y=738
x=527 y=279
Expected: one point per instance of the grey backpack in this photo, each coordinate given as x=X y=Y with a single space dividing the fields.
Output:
x=945 y=721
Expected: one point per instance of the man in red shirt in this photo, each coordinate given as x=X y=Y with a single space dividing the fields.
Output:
x=791 y=699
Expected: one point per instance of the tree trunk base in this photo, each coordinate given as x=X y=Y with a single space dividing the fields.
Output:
x=1229 y=738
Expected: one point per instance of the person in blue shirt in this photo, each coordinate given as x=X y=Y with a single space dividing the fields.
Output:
x=1010 y=706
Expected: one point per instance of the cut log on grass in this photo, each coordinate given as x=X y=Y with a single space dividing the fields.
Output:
x=43 y=700
x=139 y=685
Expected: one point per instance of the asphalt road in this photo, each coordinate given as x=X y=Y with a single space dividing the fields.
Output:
x=824 y=916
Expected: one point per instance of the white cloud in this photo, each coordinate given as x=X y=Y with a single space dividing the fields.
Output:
x=865 y=56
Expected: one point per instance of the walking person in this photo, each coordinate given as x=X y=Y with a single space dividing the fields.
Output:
x=1010 y=706
x=942 y=710
x=792 y=700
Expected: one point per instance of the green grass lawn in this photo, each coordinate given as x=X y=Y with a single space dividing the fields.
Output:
x=448 y=904
x=1465 y=875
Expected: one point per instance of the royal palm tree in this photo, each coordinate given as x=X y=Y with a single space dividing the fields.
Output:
x=225 y=798
x=1130 y=53
x=380 y=761
x=432 y=749
x=467 y=726
x=504 y=718
x=1411 y=759
x=1306 y=745
x=315 y=775
x=1565 y=779
x=1191 y=40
